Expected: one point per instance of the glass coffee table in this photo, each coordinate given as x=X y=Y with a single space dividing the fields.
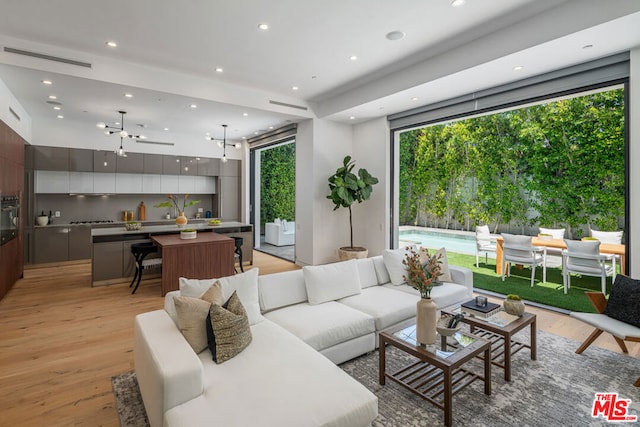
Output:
x=504 y=344
x=438 y=372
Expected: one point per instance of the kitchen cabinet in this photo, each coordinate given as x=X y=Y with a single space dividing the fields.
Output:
x=188 y=166
x=80 y=160
x=152 y=163
x=52 y=182
x=104 y=161
x=151 y=184
x=80 y=243
x=229 y=198
x=205 y=185
x=104 y=183
x=169 y=184
x=28 y=157
x=50 y=158
x=128 y=183
x=107 y=261
x=81 y=182
x=51 y=244
x=208 y=167
x=230 y=168
x=186 y=184
x=171 y=165
x=133 y=163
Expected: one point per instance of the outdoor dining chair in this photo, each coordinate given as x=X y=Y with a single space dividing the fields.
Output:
x=584 y=257
x=484 y=243
x=517 y=249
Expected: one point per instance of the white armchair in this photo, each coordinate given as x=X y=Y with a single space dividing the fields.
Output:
x=280 y=233
x=583 y=257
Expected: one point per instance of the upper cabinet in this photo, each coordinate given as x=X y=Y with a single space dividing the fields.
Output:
x=81 y=160
x=52 y=181
x=171 y=165
x=188 y=166
x=208 y=167
x=133 y=163
x=230 y=168
x=152 y=163
x=50 y=158
x=104 y=161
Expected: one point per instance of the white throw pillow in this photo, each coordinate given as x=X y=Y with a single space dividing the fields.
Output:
x=284 y=225
x=245 y=284
x=331 y=281
x=393 y=261
x=367 y=272
x=444 y=266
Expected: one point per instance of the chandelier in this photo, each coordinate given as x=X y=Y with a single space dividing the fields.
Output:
x=223 y=144
x=110 y=130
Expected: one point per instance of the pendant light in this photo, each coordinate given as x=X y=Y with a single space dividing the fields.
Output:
x=223 y=143
x=110 y=130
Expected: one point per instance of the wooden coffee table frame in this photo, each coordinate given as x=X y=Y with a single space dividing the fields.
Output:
x=433 y=378
x=501 y=335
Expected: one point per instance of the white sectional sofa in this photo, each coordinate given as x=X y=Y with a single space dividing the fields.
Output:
x=303 y=323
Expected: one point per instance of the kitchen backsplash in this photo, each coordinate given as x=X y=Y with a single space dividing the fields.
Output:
x=80 y=208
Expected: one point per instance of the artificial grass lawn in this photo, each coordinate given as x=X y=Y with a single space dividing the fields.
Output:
x=550 y=293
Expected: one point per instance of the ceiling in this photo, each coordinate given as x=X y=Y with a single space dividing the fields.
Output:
x=167 y=54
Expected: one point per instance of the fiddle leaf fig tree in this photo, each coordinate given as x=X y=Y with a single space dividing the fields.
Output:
x=347 y=188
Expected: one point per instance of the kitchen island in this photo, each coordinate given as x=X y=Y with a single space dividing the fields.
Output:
x=112 y=261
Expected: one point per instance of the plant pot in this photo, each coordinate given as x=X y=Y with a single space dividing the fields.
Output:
x=514 y=307
x=188 y=234
x=346 y=253
x=181 y=220
x=426 y=321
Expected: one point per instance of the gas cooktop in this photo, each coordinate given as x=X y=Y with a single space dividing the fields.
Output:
x=96 y=221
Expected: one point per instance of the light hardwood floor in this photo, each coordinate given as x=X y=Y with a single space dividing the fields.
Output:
x=61 y=341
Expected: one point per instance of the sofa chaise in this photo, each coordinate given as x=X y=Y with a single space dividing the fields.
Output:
x=303 y=323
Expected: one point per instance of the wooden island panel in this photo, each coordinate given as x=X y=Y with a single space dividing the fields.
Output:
x=209 y=255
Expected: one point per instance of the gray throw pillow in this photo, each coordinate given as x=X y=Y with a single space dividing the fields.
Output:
x=624 y=301
x=228 y=329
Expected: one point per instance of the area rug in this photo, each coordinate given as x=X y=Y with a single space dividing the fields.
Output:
x=556 y=390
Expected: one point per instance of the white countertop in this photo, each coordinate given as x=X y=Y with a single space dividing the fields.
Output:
x=120 y=229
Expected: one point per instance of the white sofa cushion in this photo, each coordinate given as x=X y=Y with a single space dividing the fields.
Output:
x=381 y=271
x=323 y=325
x=331 y=281
x=445 y=295
x=393 y=262
x=367 y=272
x=387 y=306
x=245 y=284
x=276 y=367
x=281 y=289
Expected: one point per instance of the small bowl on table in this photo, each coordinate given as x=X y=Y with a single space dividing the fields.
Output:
x=442 y=326
x=132 y=226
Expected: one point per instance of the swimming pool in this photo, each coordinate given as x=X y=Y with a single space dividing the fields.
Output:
x=460 y=243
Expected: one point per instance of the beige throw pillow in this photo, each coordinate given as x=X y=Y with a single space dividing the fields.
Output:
x=228 y=330
x=445 y=274
x=192 y=315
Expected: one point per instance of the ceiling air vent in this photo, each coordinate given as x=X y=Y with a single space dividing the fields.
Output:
x=284 y=104
x=146 y=141
x=47 y=57
x=14 y=114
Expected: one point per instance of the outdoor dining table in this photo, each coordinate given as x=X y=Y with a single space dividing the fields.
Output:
x=605 y=248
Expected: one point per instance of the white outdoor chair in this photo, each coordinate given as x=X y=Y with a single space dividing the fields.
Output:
x=484 y=243
x=519 y=250
x=614 y=237
x=584 y=257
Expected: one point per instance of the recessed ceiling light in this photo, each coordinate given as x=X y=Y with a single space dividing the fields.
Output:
x=47 y=82
x=166 y=128
x=60 y=116
x=270 y=127
x=458 y=3
x=57 y=108
x=353 y=57
x=263 y=26
x=587 y=46
x=352 y=117
x=295 y=88
x=395 y=35
x=255 y=133
x=111 y=43
x=207 y=133
x=415 y=98
x=53 y=97
x=193 y=106
x=245 y=114
x=128 y=95
x=244 y=137
x=518 y=68
x=219 y=69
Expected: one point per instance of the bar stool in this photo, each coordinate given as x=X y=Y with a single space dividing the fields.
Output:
x=238 y=252
x=139 y=252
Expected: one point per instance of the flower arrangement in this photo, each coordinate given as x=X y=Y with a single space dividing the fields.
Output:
x=422 y=275
x=173 y=203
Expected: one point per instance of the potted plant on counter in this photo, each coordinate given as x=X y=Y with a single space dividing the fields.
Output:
x=347 y=188
x=188 y=233
x=181 y=219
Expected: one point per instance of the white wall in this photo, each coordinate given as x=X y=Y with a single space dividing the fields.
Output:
x=320 y=147
x=23 y=126
x=634 y=160
x=371 y=150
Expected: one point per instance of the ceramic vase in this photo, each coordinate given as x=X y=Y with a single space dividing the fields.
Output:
x=515 y=307
x=181 y=220
x=426 y=321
